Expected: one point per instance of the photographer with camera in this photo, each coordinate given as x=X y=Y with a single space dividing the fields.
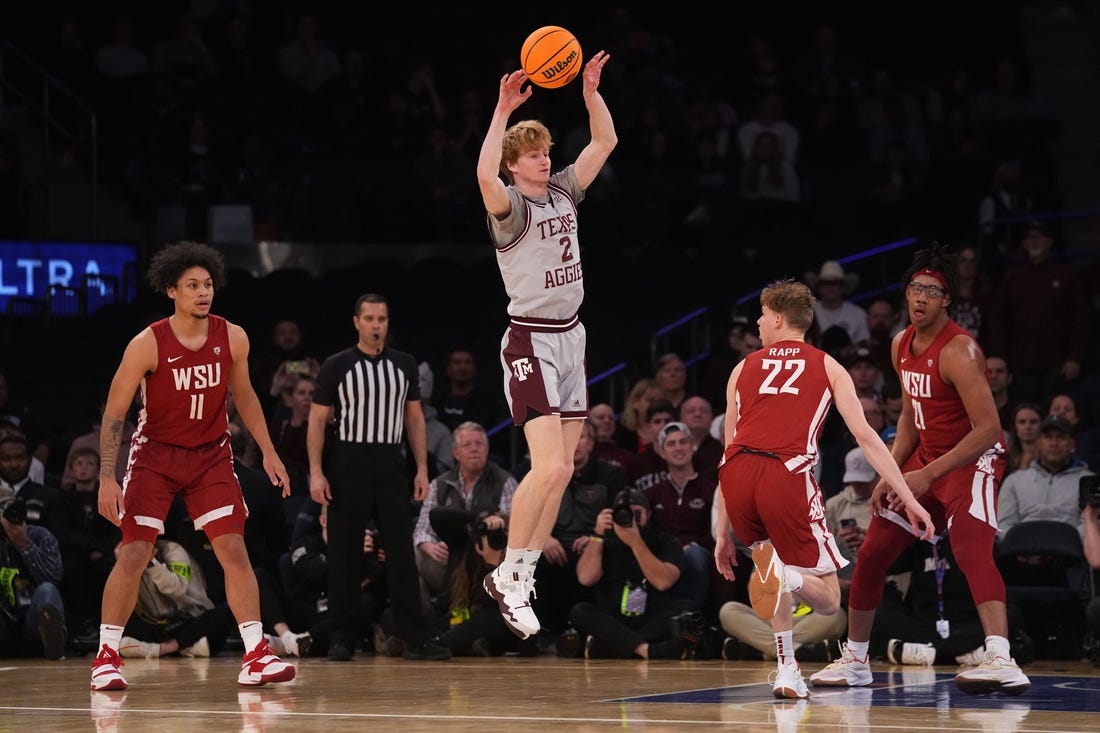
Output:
x=475 y=485
x=472 y=624
x=31 y=608
x=633 y=566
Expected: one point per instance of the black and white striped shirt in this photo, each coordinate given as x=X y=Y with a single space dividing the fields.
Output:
x=368 y=394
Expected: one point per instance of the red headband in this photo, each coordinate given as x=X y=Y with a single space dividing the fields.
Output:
x=934 y=273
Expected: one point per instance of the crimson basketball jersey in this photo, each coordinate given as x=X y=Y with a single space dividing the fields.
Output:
x=538 y=252
x=185 y=398
x=938 y=411
x=783 y=396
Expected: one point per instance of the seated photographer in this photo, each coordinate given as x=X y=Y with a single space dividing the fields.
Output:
x=473 y=625
x=32 y=615
x=174 y=614
x=633 y=567
x=475 y=485
x=1049 y=487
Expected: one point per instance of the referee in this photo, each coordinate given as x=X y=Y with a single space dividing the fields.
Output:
x=375 y=393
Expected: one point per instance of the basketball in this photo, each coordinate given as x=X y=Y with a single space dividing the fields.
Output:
x=551 y=57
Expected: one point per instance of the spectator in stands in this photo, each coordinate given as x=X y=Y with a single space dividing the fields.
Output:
x=770 y=117
x=32 y=612
x=866 y=374
x=970 y=306
x=1000 y=381
x=999 y=211
x=1047 y=488
x=91 y=440
x=1023 y=439
x=47 y=506
x=649 y=467
x=288 y=434
x=632 y=433
x=463 y=401
x=891 y=402
x=1037 y=320
x=831 y=466
x=832 y=285
x=474 y=485
x=121 y=58
x=741 y=338
x=94 y=541
x=594 y=485
x=306 y=60
x=848 y=512
x=602 y=417
x=882 y=326
x=681 y=506
x=697 y=414
x=188 y=59
x=440 y=441
x=277 y=366
x=670 y=375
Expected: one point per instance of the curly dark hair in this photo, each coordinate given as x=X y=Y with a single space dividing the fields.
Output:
x=936 y=257
x=169 y=264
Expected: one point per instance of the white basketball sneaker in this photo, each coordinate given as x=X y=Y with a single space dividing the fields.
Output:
x=848 y=671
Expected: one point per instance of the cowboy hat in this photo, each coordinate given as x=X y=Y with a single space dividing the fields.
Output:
x=831 y=271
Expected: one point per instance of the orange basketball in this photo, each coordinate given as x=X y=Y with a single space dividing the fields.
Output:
x=551 y=57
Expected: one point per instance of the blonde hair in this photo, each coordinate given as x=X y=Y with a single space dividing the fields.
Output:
x=630 y=418
x=519 y=138
x=791 y=299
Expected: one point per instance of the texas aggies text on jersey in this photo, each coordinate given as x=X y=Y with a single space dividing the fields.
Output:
x=541 y=265
x=783 y=397
x=185 y=399
x=938 y=411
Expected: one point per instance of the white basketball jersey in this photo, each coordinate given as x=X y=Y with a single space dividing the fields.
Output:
x=538 y=252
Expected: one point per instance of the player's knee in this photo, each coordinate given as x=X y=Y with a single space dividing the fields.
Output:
x=132 y=557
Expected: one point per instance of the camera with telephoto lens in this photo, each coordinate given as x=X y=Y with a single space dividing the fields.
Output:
x=13 y=509
x=496 y=538
x=1090 y=491
x=622 y=513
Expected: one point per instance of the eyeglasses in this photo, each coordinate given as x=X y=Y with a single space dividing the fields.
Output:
x=932 y=291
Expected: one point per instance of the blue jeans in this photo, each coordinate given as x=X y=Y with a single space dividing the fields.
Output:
x=45 y=594
x=694 y=582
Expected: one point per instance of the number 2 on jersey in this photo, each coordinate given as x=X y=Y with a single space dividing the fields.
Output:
x=774 y=367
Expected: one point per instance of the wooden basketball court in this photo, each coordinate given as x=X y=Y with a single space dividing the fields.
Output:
x=532 y=694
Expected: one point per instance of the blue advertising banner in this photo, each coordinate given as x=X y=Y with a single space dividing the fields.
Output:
x=29 y=268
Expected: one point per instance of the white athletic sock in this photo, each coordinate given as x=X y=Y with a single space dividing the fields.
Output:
x=858 y=649
x=784 y=647
x=515 y=561
x=252 y=633
x=110 y=635
x=999 y=646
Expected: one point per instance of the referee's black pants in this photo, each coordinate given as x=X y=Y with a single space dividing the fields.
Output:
x=371 y=481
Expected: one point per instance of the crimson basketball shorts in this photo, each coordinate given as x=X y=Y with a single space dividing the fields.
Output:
x=765 y=501
x=203 y=477
x=971 y=489
x=544 y=369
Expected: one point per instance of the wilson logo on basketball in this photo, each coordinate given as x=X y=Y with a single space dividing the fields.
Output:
x=567 y=63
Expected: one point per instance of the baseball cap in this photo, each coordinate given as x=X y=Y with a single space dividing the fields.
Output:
x=856 y=467
x=862 y=354
x=1056 y=422
x=670 y=428
x=632 y=496
x=888 y=433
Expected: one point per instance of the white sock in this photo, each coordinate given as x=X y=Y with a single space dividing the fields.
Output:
x=515 y=561
x=858 y=649
x=111 y=636
x=252 y=633
x=998 y=645
x=784 y=647
x=793 y=579
x=531 y=559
